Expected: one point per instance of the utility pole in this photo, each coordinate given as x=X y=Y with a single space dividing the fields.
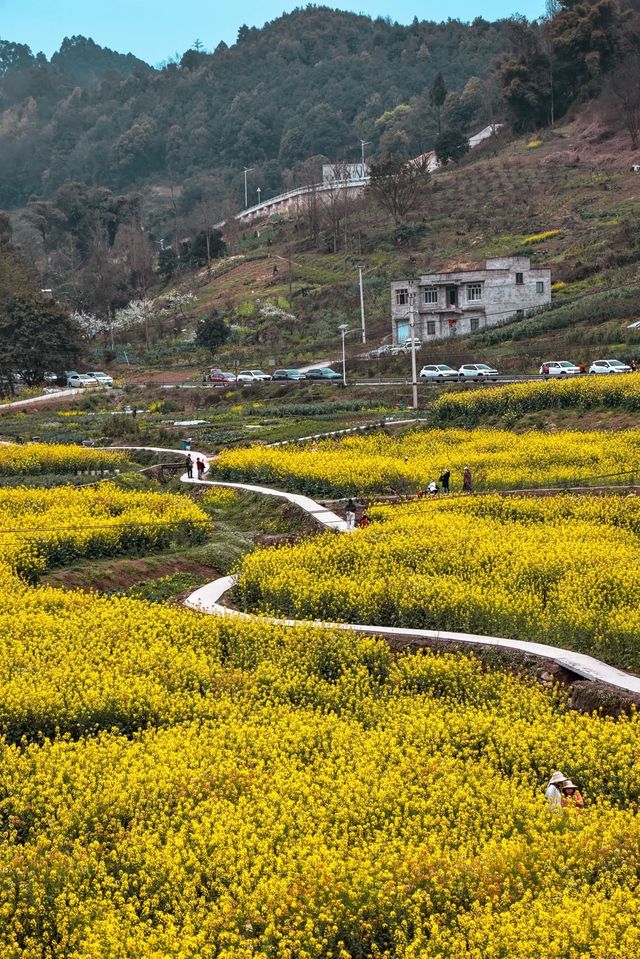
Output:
x=246 y=195
x=342 y=329
x=412 y=328
x=364 y=334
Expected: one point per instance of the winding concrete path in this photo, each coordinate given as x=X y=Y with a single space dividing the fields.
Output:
x=207 y=599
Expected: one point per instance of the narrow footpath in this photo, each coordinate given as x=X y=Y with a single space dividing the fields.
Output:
x=207 y=598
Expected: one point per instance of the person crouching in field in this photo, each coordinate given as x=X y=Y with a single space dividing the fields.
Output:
x=350 y=513
x=571 y=796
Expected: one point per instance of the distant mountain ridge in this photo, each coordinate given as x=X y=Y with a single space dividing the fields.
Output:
x=315 y=81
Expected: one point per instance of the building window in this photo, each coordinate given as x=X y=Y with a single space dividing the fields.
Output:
x=519 y=279
x=431 y=294
x=402 y=297
x=474 y=292
x=431 y=327
x=539 y=286
x=474 y=324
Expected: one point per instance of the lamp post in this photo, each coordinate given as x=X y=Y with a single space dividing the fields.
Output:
x=412 y=329
x=259 y=191
x=247 y=169
x=343 y=330
x=364 y=334
x=363 y=144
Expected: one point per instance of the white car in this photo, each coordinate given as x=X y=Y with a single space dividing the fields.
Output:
x=438 y=371
x=102 y=378
x=559 y=368
x=609 y=366
x=77 y=380
x=253 y=376
x=477 y=371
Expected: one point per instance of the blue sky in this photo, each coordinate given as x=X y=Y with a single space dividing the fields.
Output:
x=156 y=29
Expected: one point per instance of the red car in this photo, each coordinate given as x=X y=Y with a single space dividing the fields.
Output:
x=219 y=376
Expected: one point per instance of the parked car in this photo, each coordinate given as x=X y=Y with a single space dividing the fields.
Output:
x=438 y=371
x=102 y=378
x=288 y=375
x=324 y=373
x=221 y=376
x=559 y=368
x=609 y=366
x=477 y=371
x=253 y=376
x=77 y=380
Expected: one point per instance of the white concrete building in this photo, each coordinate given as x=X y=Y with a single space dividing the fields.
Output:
x=466 y=300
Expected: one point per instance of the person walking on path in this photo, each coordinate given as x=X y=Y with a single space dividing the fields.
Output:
x=571 y=796
x=466 y=480
x=553 y=794
x=189 y=467
x=445 y=476
x=350 y=512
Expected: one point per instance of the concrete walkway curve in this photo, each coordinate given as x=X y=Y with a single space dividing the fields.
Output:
x=325 y=517
x=207 y=598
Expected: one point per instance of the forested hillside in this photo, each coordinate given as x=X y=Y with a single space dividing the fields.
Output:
x=312 y=82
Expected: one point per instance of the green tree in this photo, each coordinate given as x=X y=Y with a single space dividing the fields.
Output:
x=438 y=95
x=36 y=335
x=212 y=332
x=452 y=144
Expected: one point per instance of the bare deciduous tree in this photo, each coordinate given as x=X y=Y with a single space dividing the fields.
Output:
x=625 y=87
x=398 y=185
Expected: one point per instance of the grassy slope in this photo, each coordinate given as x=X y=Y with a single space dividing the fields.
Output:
x=487 y=206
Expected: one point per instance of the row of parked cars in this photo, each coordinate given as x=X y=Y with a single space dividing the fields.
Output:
x=222 y=377
x=95 y=378
x=482 y=371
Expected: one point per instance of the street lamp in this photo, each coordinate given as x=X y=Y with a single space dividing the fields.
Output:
x=363 y=144
x=343 y=330
x=247 y=169
x=259 y=191
x=364 y=334
x=412 y=329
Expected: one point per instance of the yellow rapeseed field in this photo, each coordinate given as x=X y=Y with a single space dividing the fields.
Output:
x=35 y=458
x=376 y=463
x=562 y=570
x=579 y=392
x=46 y=527
x=177 y=786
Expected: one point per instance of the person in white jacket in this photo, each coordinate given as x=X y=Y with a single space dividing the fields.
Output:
x=553 y=794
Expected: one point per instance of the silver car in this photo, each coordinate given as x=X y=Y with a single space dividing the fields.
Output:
x=77 y=380
x=102 y=378
x=559 y=368
x=477 y=371
x=252 y=376
x=609 y=366
x=438 y=371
